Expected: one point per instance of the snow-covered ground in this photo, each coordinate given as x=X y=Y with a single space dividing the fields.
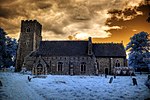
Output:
x=54 y=87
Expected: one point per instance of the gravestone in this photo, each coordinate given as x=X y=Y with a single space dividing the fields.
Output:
x=134 y=81
x=29 y=79
x=114 y=75
x=111 y=79
x=1 y=83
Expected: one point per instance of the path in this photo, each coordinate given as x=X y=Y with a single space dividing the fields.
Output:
x=17 y=89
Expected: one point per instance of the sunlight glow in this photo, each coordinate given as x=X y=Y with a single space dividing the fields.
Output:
x=82 y=35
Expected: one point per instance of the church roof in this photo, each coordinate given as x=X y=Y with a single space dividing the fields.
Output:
x=63 y=48
x=79 y=48
x=109 y=50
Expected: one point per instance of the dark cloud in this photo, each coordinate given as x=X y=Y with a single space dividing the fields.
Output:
x=10 y=12
x=129 y=12
x=38 y=4
x=140 y=12
x=44 y=5
x=136 y=24
x=6 y=12
x=6 y=1
x=126 y=14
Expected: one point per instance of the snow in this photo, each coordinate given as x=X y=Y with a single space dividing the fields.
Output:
x=64 y=87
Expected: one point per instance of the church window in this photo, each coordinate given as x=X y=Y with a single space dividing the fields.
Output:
x=28 y=29
x=60 y=66
x=117 y=63
x=83 y=67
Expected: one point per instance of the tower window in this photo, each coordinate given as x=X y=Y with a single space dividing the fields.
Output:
x=83 y=67
x=28 y=29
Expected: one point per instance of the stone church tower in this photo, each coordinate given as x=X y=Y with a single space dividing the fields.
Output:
x=29 y=40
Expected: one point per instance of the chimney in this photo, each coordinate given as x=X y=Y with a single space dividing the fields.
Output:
x=90 y=52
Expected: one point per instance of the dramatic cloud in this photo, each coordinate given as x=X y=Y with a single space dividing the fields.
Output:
x=63 y=19
x=130 y=25
x=126 y=14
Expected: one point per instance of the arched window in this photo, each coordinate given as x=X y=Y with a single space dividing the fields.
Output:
x=60 y=66
x=83 y=67
x=117 y=63
x=28 y=29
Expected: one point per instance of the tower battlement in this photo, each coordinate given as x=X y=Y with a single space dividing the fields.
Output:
x=30 y=21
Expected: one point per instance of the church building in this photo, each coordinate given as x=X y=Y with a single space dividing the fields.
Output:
x=68 y=57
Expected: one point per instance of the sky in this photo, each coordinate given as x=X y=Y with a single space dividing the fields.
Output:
x=103 y=20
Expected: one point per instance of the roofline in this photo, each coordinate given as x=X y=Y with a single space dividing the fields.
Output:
x=108 y=43
x=111 y=56
x=81 y=56
x=62 y=55
x=64 y=41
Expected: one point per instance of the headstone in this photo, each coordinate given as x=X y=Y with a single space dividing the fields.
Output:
x=111 y=79
x=29 y=79
x=1 y=83
x=134 y=81
x=148 y=78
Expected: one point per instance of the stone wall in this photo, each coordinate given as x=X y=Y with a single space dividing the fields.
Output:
x=121 y=61
x=75 y=62
x=29 y=62
x=109 y=63
x=102 y=64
